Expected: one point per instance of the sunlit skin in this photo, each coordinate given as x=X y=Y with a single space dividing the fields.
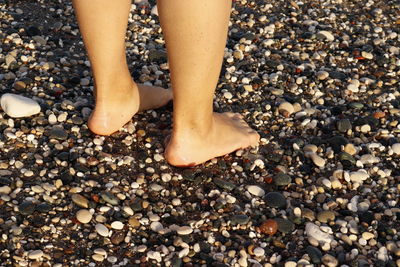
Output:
x=195 y=32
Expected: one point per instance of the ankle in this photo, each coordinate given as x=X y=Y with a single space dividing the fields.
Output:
x=189 y=129
x=116 y=92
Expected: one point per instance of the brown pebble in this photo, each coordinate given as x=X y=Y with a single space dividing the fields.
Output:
x=134 y=222
x=379 y=114
x=269 y=227
x=19 y=85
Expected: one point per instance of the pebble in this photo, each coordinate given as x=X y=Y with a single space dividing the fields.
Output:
x=269 y=227
x=286 y=109
x=359 y=176
x=343 y=125
x=326 y=35
x=26 y=208
x=101 y=229
x=259 y=252
x=117 y=225
x=156 y=227
x=256 y=190
x=239 y=219
x=317 y=160
x=322 y=75
x=184 y=230
x=35 y=254
x=80 y=201
x=84 y=216
x=109 y=198
x=17 y=106
x=396 y=148
x=5 y=190
x=331 y=94
x=282 y=179
x=330 y=261
x=285 y=226
x=315 y=232
x=326 y=216
x=224 y=184
x=275 y=200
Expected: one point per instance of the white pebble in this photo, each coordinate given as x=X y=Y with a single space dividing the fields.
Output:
x=258 y=252
x=117 y=225
x=17 y=106
x=84 y=216
x=35 y=254
x=184 y=230
x=256 y=190
x=101 y=229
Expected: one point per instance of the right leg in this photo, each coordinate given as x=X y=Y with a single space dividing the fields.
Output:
x=103 y=26
x=195 y=32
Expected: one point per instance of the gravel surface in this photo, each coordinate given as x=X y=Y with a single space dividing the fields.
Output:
x=319 y=80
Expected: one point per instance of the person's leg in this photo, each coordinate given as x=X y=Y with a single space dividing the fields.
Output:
x=103 y=25
x=195 y=32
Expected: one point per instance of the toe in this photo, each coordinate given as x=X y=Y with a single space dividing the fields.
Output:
x=254 y=139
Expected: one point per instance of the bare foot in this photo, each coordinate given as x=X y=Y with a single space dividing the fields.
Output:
x=110 y=114
x=228 y=133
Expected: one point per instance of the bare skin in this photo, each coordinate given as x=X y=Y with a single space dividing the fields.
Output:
x=103 y=25
x=195 y=32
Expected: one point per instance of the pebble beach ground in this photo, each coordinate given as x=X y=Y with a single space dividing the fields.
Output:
x=319 y=80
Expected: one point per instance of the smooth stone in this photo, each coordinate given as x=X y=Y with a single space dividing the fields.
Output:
x=286 y=108
x=326 y=35
x=350 y=149
x=256 y=190
x=396 y=148
x=285 y=226
x=369 y=159
x=337 y=142
x=101 y=229
x=259 y=252
x=317 y=160
x=315 y=232
x=43 y=207
x=134 y=222
x=184 y=230
x=343 y=125
x=117 y=237
x=275 y=200
x=98 y=257
x=326 y=216
x=117 y=225
x=84 y=216
x=157 y=55
x=154 y=10
x=5 y=181
x=346 y=157
x=282 y=179
x=5 y=190
x=80 y=200
x=19 y=85
x=26 y=208
x=17 y=106
x=239 y=219
x=156 y=227
x=315 y=254
x=224 y=184
x=35 y=254
x=322 y=75
x=109 y=198
x=329 y=260
x=59 y=133
x=359 y=176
